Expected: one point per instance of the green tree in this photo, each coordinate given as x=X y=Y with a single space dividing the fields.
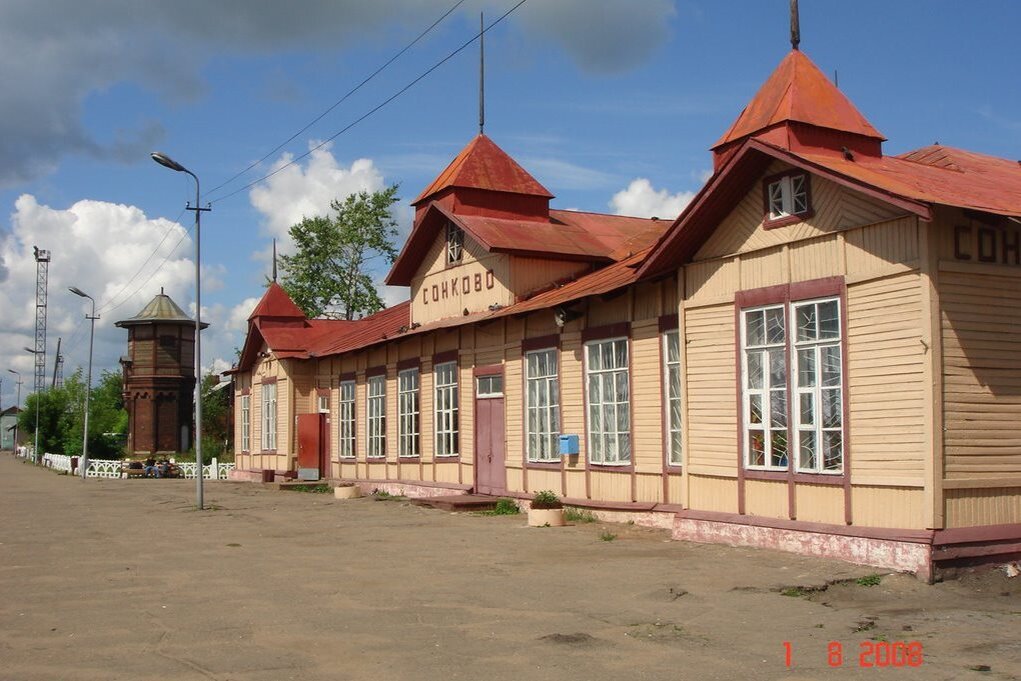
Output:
x=62 y=411
x=328 y=275
x=216 y=432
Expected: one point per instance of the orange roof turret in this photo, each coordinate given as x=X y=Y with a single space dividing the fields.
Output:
x=799 y=108
x=483 y=165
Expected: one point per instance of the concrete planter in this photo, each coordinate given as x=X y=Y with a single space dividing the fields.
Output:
x=541 y=517
x=352 y=492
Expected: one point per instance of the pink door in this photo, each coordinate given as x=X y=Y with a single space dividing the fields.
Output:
x=490 y=475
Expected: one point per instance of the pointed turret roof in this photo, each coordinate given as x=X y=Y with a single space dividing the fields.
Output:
x=484 y=165
x=160 y=309
x=276 y=303
x=798 y=91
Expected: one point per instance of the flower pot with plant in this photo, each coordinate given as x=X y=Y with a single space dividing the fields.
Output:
x=546 y=510
x=347 y=490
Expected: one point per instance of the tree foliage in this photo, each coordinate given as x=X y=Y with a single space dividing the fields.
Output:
x=62 y=412
x=328 y=275
x=216 y=432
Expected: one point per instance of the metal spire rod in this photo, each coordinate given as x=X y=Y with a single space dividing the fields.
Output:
x=795 y=25
x=482 y=74
x=274 y=259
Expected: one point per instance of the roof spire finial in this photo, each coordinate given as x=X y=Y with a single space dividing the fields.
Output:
x=795 y=25
x=482 y=74
x=274 y=259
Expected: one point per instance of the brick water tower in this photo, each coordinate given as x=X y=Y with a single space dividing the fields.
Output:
x=159 y=378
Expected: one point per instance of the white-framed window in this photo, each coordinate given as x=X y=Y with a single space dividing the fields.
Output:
x=323 y=403
x=446 y=409
x=809 y=333
x=269 y=416
x=246 y=423
x=787 y=195
x=487 y=387
x=542 y=406
x=672 y=381
x=455 y=243
x=408 y=413
x=818 y=370
x=346 y=420
x=375 y=414
x=608 y=388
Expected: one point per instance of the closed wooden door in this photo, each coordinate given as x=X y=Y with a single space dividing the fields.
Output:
x=490 y=475
x=310 y=445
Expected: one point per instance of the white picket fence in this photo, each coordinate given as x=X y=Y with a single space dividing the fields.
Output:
x=107 y=468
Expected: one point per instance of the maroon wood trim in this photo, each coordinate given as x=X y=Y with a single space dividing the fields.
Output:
x=412 y=363
x=452 y=458
x=488 y=370
x=444 y=357
x=321 y=392
x=818 y=288
x=834 y=479
x=543 y=465
x=268 y=380
x=739 y=398
x=417 y=483
x=984 y=533
x=404 y=458
x=375 y=371
x=788 y=219
x=669 y=322
x=890 y=534
x=668 y=508
x=639 y=506
x=246 y=391
x=618 y=330
x=348 y=376
x=551 y=341
x=768 y=295
x=611 y=468
x=953 y=552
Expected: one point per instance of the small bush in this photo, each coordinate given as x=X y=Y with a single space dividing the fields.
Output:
x=314 y=489
x=578 y=515
x=506 y=507
x=869 y=580
x=546 y=499
x=606 y=535
x=382 y=495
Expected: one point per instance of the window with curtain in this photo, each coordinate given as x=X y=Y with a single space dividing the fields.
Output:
x=375 y=410
x=446 y=409
x=542 y=406
x=408 y=412
x=609 y=401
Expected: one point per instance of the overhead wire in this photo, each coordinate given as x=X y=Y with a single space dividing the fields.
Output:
x=376 y=108
x=340 y=101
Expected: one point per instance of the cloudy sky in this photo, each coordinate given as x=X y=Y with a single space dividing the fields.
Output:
x=611 y=104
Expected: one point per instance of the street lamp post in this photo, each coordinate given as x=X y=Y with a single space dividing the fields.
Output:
x=83 y=466
x=35 y=449
x=18 y=405
x=168 y=162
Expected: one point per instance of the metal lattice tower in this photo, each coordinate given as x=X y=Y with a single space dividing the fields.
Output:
x=42 y=269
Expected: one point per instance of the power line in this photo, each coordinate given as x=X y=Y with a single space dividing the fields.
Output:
x=173 y=252
x=341 y=100
x=109 y=301
x=374 y=109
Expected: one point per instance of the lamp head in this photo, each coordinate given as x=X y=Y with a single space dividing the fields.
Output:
x=78 y=292
x=167 y=162
x=28 y=349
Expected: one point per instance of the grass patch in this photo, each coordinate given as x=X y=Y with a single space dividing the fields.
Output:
x=606 y=535
x=578 y=515
x=503 y=507
x=869 y=580
x=381 y=495
x=314 y=489
x=794 y=592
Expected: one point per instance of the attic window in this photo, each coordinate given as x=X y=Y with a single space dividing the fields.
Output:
x=455 y=243
x=787 y=199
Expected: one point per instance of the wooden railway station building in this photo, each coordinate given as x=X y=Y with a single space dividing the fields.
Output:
x=821 y=354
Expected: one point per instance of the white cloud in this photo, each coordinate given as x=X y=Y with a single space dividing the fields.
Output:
x=307 y=188
x=641 y=199
x=554 y=172
x=97 y=247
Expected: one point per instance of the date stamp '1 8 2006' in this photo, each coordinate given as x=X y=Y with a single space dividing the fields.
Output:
x=870 y=654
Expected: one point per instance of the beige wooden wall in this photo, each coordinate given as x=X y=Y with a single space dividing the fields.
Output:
x=980 y=324
x=888 y=391
x=284 y=456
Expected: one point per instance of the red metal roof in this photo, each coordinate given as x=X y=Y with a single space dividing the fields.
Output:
x=798 y=91
x=276 y=303
x=566 y=235
x=484 y=165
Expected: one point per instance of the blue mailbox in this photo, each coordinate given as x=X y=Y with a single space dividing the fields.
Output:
x=568 y=444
